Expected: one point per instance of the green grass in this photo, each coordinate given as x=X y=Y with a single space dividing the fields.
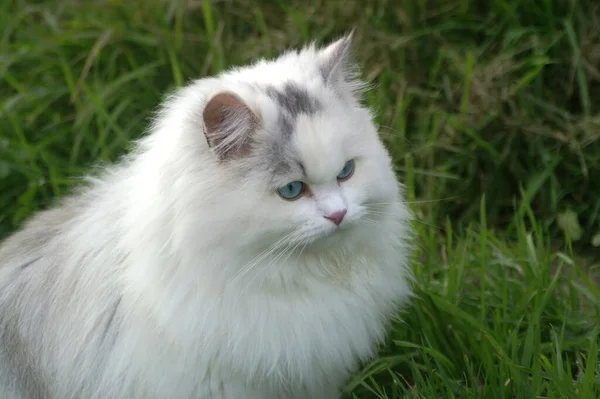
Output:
x=490 y=109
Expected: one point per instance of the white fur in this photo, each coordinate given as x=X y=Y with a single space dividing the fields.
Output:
x=226 y=290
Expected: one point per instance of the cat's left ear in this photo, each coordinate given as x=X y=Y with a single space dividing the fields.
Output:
x=339 y=69
x=229 y=125
x=336 y=61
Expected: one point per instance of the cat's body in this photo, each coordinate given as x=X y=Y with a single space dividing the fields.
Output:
x=181 y=273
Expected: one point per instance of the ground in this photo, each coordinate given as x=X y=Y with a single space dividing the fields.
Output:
x=491 y=111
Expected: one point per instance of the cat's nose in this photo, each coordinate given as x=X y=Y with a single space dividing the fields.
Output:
x=337 y=217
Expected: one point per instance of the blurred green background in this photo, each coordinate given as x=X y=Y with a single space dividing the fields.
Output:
x=490 y=109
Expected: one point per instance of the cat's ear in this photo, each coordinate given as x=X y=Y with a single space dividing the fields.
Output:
x=229 y=125
x=336 y=61
x=339 y=69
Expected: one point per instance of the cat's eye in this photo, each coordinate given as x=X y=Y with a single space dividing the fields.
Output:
x=292 y=190
x=347 y=171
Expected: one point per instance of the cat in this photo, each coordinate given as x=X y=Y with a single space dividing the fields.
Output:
x=254 y=245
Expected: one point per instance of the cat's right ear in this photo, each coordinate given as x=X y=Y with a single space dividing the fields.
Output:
x=229 y=125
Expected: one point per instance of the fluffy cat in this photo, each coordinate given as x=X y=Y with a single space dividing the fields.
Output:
x=254 y=246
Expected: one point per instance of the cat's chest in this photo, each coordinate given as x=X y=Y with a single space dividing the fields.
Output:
x=310 y=336
x=320 y=333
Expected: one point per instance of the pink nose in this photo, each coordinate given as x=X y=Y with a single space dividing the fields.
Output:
x=337 y=217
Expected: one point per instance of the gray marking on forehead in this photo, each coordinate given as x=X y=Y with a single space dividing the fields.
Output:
x=285 y=125
x=278 y=158
x=277 y=155
x=294 y=99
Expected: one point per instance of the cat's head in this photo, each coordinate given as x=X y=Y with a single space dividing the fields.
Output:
x=289 y=152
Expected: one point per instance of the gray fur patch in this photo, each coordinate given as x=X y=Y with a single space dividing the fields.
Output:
x=278 y=159
x=275 y=154
x=285 y=125
x=294 y=99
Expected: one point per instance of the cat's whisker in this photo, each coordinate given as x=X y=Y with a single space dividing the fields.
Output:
x=287 y=253
x=272 y=248
x=370 y=222
x=374 y=213
x=416 y=201
x=292 y=251
x=250 y=265
x=379 y=217
x=433 y=226
x=300 y=253
x=387 y=210
x=287 y=250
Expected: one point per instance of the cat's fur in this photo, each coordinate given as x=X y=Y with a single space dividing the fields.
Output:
x=181 y=273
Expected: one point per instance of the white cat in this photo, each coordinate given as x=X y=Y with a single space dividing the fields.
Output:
x=254 y=246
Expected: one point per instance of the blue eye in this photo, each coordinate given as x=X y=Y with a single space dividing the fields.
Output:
x=347 y=171
x=292 y=190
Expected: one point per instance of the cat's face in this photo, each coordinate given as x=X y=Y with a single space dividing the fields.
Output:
x=329 y=177
x=301 y=159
